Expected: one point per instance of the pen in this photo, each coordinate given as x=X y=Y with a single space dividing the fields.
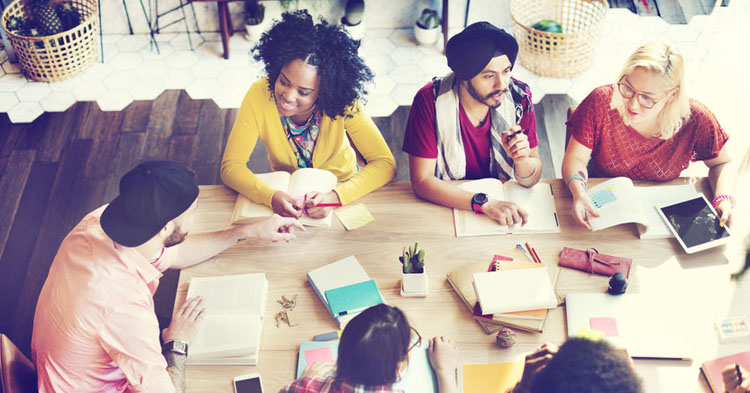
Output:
x=531 y=251
x=739 y=373
x=534 y=253
x=328 y=204
x=524 y=252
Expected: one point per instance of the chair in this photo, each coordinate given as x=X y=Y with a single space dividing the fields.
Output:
x=17 y=373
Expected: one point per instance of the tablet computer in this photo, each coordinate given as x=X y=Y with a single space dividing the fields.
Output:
x=694 y=223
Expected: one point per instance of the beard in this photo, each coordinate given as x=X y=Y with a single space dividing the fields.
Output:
x=175 y=238
x=484 y=100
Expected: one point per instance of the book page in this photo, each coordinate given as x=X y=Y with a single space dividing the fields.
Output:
x=245 y=209
x=305 y=180
x=617 y=202
x=539 y=203
x=226 y=336
x=469 y=223
x=653 y=196
x=242 y=293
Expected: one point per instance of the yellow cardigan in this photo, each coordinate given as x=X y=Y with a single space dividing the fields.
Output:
x=258 y=116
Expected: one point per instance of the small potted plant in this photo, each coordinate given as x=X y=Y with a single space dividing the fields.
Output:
x=254 y=15
x=413 y=276
x=352 y=19
x=426 y=30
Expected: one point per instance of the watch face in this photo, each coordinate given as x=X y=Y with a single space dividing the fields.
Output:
x=480 y=198
x=179 y=346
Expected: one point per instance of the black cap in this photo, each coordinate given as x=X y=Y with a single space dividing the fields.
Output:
x=151 y=195
x=469 y=51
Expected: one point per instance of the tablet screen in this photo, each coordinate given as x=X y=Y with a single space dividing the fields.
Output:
x=694 y=221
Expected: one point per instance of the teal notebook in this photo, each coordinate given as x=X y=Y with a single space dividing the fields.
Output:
x=417 y=378
x=353 y=298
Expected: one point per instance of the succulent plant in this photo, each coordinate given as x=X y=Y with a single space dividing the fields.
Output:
x=429 y=19
x=412 y=259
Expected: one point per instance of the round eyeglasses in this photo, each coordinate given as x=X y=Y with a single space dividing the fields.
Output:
x=417 y=342
x=628 y=92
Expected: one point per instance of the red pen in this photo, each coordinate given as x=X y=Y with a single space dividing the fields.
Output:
x=337 y=204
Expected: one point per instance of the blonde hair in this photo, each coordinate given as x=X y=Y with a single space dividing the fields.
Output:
x=666 y=61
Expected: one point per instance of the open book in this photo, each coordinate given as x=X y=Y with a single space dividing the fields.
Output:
x=230 y=332
x=620 y=202
x=538 y=201
x=296 y=184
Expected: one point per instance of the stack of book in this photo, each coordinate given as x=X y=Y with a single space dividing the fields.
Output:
x=345 y=289
x=527 y=316
x=230 y=332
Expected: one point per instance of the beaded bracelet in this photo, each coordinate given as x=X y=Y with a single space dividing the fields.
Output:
x=575 y=177
x=719 y=198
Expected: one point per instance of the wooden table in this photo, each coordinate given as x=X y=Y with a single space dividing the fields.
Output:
x=401 y=219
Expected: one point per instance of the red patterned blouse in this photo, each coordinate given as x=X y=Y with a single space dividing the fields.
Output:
x=619 y=150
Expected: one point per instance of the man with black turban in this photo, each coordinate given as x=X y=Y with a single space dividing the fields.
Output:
x=476 y=122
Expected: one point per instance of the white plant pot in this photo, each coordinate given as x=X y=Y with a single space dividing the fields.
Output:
x=414 y=284
x=426 y=36
x=254 y=31
x=357 y=31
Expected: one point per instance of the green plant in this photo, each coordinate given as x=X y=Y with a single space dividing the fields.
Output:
x=354 y=11
x=429 y=19
x=412 y=259
x=254 y=12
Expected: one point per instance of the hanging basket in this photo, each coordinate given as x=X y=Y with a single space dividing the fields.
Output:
x=558 y=55
x=60 y=56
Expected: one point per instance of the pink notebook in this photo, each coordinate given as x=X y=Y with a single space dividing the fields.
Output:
x=712 y=369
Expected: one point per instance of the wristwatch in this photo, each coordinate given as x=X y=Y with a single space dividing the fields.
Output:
x=477 y=201
x=176 y=346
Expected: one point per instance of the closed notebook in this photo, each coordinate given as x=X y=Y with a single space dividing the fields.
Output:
x=353 y=298
x=712 y=369
x=489 y=378
x=315 y=350
x=514 y=290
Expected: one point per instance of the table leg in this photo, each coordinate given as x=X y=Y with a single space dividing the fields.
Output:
x=223 y=22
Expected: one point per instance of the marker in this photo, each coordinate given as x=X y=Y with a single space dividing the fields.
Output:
x=328 y=336
x=739 y=373
x=337 y=204
x=533 y=252
x=509 y=137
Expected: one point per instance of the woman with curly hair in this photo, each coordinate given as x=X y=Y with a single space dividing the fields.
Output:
x=646 y=128
x=306 y=112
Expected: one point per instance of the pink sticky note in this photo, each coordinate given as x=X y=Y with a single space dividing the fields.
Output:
x=318 y=355
x=607 y=325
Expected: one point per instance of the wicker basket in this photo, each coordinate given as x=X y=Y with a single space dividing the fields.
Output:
x=558 y=55
x=56 y=57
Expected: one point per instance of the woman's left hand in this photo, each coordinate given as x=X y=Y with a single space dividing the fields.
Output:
x=724 y=209
x=315 y=198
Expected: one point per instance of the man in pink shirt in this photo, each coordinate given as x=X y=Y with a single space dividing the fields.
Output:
x=94 y=328
x=476 y=122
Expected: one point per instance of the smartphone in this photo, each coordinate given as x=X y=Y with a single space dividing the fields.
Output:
x=248 y=383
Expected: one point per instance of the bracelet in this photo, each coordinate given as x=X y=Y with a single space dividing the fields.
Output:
x=515 y=174
x=719 y=198
x=575 y=177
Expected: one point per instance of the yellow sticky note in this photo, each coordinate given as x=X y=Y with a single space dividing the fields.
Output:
x=354 y=217
x=591 y=334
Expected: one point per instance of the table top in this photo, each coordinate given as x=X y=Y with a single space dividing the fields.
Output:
x=661 y=269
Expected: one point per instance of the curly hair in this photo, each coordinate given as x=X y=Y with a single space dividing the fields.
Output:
x=585 y=366
x=343 y=73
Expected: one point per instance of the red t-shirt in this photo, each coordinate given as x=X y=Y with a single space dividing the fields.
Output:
x=420 y=138
x=619 y=150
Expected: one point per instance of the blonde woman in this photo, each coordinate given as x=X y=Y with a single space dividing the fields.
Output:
x=646 y=128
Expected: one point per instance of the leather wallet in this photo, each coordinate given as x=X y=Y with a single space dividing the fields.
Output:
x=592 y=261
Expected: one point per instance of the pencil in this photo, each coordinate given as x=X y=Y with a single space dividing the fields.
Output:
x=531 y=251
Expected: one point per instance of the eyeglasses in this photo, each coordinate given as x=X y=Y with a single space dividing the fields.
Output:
x=628 y=92
x=415 y=343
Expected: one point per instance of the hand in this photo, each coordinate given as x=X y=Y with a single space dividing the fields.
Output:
x=285 y=205
x=319 y=369
x=724 y=209
x=315 y=198
x=583 y=209
x=516 y=145
x=732 y=383
x=185 y=322
x=505 y=213
x=274 y=228
x=443 y=355
x=535 y=362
